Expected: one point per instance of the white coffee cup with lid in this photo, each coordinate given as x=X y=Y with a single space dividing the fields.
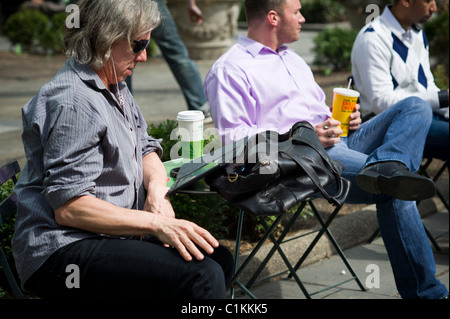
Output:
x=190 y=125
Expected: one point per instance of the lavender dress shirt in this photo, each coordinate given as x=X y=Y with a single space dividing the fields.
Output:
x=252 y=88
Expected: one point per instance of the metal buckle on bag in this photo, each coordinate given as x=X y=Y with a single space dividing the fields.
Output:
x=234 y=178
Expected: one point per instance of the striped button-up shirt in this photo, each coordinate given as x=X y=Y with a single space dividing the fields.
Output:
x=78 y=141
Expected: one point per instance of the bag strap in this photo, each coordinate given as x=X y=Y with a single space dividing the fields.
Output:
x=312 y=141
x=342 y=184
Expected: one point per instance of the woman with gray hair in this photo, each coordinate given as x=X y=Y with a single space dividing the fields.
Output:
x=93 y=217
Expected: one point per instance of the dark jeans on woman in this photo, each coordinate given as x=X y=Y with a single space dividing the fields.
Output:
x=126 y=268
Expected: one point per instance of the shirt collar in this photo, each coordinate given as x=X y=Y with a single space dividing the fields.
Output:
x=397 y=27
x=87 y=74
x=255 y=47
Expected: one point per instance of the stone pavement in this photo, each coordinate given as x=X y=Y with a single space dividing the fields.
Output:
x=159 y=98
x=367 y=260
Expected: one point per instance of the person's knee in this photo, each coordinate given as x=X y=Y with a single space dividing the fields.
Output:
x=207 y=281
x=417 y=105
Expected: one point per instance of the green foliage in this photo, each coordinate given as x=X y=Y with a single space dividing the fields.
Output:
x=441 y=76
x=7 y=227
x=437 y=31
x=333 y=48
x=53 y=38
x=152 y=49
x=25 y=27
x=207 y=211
x=323 y=11
x=164 y=132
x=6 y=234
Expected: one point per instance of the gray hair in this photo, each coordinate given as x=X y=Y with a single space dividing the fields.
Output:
x=103 y=22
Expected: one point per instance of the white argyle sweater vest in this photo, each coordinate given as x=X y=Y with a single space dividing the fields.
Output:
x=387 y=68
x=407 y=69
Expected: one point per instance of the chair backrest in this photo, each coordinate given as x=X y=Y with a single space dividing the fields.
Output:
x=9 y=204
x=8 y=207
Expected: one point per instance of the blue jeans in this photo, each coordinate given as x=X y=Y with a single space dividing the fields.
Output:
x=437 y=144
x=397 y=134
x=177 y=57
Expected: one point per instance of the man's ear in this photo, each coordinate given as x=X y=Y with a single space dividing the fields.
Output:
x=406 y=3
x=273 y=17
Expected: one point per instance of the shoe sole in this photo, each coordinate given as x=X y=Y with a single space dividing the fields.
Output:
x=401 y=187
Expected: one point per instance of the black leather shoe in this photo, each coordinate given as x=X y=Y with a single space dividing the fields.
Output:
x=394 y=179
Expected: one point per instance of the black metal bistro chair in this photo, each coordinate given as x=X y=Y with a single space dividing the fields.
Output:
x=8 y=207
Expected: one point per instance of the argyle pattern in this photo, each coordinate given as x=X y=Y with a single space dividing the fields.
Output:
x=406 y=67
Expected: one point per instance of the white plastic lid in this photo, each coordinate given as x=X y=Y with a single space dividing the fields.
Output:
x=347 y=92
x=190 y=116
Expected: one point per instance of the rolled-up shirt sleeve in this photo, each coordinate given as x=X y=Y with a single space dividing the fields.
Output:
x=149 y=144
x=73 y=155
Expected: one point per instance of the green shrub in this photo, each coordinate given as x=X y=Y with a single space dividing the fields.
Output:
x=25 y=27
x=164 y=131
x=323 y=11
x=437 y=31
x=52 y=40
x=333 y=48
x=7 y=227
x=441 y=76
x=6 y=234
x=207 y=211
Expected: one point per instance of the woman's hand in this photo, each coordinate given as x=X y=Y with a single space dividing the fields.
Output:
x=186 y=237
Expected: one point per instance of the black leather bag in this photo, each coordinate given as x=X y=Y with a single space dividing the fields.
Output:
x=275 y=172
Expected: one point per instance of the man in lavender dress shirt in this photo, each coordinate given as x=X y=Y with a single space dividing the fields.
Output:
x=260 y=84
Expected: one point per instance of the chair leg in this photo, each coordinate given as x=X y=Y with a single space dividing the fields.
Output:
x=325 y=230
x=373 y=236
x=432 y=240
x=9 y=276
x=255 y=250
x=276 y=246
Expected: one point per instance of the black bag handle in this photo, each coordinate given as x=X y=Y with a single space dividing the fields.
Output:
x=313 y=142
x=343 y=185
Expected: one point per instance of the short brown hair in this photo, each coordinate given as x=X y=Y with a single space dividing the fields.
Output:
x=258 y=9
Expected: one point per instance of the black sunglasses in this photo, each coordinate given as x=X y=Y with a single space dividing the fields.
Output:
x=140 y=45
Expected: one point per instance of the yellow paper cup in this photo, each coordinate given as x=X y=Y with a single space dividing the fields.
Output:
x=344 y=101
